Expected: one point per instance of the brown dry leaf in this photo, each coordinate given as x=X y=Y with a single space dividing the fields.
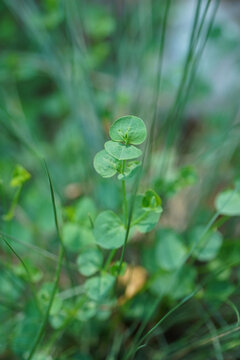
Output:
x=134 y=280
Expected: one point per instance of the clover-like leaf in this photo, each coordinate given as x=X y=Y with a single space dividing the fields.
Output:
x=130 y=170
x=121 y=151
x=109 y=230
x=228 y=203
x=105 y=164
x=98 y=287
x=128 y=129
x=144 y=218
x=89 y=261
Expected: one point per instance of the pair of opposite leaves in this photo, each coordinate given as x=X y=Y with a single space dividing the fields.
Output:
x=125 y=132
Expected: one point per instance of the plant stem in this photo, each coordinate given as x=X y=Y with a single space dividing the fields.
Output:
x=109 y=259
x=124 y=196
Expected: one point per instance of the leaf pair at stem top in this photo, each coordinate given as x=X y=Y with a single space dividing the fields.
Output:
x=125 y=132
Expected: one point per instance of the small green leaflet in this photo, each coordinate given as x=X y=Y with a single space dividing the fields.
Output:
x=109 y=230
x=105 y=164
x=147 y=211
x=121 y=151
x=128 y=129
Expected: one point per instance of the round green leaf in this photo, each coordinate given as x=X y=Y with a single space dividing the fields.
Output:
x=98 y=287
x=105 y=164
x=207 y=246
x=109 y=230
x=228 y=203
x=121 y=151
x=128 y=129
x=170 y=251
x=89 y=261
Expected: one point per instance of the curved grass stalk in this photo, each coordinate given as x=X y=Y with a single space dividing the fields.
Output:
x=57 y=274
x=26 y=270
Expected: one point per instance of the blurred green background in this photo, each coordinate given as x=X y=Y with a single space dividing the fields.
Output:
x=68 y=69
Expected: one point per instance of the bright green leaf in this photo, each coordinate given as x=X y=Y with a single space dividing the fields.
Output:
x=105 y=164
x=128 y=129
x=98 y=287
x=109 y=230
x=228 y=203
x=121 y=151
x=89 y=261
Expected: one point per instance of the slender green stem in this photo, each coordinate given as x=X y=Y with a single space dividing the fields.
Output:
x=124 y=202
x=124 y=196
x=33 y=290
x=109 y=259
x=140 y=218
x=45 y=320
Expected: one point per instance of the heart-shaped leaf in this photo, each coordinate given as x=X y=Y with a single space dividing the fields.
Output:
x=109 y=230
x=128 y=129
x=105 y=164
x=121 y=151
x=228 y=203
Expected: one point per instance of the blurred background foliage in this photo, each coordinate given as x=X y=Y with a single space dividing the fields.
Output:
x=68 y=68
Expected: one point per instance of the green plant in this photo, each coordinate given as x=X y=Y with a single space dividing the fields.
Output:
x=110 y=230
